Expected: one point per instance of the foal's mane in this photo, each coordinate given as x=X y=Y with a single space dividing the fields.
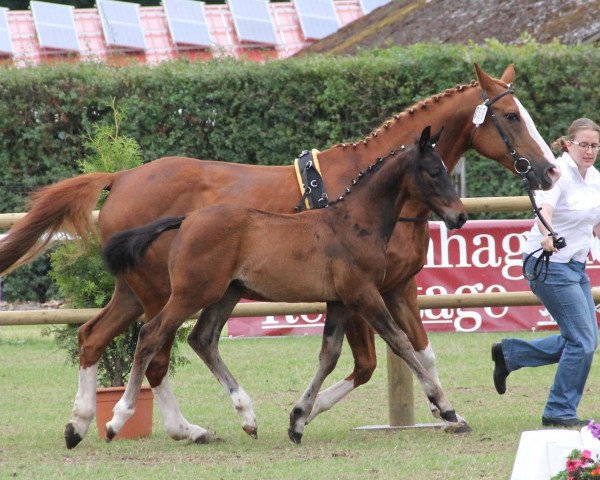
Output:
x=365 y=176
x=409 y=111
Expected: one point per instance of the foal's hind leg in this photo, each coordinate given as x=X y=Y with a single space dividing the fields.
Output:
x=122 y=310
x=152 y=338
x=204 y=339
x=331 y=348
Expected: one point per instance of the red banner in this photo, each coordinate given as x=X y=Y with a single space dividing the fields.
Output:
x=484 y=256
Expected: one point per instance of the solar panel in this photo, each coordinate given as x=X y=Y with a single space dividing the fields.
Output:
x=55 y=26
x=121 y=24
x=187 y=22
x=369 y=5
x=252 y=21
x=5 y=40
x=317 y=18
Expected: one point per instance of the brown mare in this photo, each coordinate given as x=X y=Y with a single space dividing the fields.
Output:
x=336 y=255
x=180 y=185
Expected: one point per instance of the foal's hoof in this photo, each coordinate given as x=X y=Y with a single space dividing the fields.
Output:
x=295 y=437
x=462 y=427
x=72 y=438
x=252 y=431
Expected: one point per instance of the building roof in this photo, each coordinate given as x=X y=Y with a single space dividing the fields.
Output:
x=404 y=22
x=20 y=38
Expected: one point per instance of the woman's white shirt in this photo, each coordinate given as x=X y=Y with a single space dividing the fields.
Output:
x=576 y=204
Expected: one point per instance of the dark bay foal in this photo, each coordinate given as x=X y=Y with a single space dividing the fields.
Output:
x=336 y=255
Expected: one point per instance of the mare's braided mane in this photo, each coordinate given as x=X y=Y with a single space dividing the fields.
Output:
x=421 y=105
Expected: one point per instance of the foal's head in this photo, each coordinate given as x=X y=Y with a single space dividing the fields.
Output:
x=428 y=182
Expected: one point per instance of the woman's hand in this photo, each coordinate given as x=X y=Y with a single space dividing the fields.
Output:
x=547 y=244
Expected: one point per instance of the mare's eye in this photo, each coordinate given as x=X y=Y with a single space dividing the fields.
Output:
x=512 y=117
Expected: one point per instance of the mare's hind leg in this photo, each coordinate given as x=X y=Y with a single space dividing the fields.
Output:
x=361 y=339
x=122 y=310
x=402 y=304
x=204 y=339
x=331 y=348
x=154 y=335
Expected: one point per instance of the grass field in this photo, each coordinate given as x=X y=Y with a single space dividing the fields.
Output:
x=37 y=389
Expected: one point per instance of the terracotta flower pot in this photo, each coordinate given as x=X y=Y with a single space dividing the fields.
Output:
x=140 y=423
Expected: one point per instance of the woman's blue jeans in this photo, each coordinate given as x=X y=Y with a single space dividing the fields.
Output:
x=566 y=294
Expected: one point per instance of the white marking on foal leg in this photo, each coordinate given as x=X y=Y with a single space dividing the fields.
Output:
x=427 y=359
x=176 y=426
x=329 y=397
x=243 y=406
x=122 y=411
x=84 y=407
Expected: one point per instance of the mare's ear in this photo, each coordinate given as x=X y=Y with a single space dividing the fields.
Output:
x=509 y=74
x=485 y=81
x=425 y=137
x=436 y=138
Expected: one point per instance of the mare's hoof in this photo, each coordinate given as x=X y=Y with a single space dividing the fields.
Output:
x=207 y=438
x=295 y=437
x=252 y=431
x=462 y=427
x=110 y=433
x=72 y=438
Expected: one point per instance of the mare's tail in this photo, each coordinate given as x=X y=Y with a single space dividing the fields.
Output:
x=125 y=250
x=65 y=206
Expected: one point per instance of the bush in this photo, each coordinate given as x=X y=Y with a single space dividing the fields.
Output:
x=80 y=274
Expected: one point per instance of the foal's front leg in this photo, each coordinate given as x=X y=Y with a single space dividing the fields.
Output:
x=402 y=305
x=370 y=305
x=331 y=348
x=204 y=340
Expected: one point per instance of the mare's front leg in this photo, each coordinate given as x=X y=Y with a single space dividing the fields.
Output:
x=361 y=339
x=93 y=336
x=204 y=340
x=331 y=348
x=152 y=337
x=402 y=305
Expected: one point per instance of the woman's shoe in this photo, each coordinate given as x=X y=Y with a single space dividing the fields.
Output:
x=564 y=422
x=500 y=370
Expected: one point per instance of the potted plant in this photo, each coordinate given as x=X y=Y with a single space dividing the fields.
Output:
x=84 y=283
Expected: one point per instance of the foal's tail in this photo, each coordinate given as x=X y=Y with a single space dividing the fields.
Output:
x=62 y=207
x=125 y=250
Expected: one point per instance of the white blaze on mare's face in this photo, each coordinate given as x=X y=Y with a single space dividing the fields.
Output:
x=534 y=133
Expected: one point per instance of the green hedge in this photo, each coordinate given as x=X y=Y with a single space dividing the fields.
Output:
x=267 y=113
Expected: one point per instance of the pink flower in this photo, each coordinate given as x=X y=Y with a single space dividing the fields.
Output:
x=573 y=465
x=586 y=456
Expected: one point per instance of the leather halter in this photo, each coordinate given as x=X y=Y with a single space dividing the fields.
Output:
x=522 y=166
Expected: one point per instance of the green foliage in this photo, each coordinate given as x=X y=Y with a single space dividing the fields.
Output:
x=79 y=272
x=30 y=283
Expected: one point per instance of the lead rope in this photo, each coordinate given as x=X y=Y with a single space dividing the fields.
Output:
x=541 y=262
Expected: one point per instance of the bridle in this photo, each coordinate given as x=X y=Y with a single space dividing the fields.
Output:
x=522 y=166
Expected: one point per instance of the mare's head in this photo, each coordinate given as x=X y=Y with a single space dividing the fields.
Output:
x=428 y=182
x=506 y=133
